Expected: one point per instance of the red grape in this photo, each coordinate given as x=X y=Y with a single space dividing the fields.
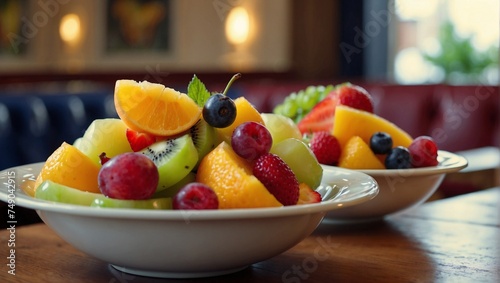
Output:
x=251 y=140
x=195 y=196
x=423 y=152
x=128 y=176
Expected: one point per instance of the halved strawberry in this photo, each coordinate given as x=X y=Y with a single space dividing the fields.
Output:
x=308 y=195
x=277 y=177
x=138 y=141
x=320 y=118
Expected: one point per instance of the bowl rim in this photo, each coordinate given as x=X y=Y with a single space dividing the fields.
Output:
x=448 y=163
x=364 y=189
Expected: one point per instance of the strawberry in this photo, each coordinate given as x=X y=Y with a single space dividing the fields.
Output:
x=138 y=140
x=320 y=118
x=103 y=158
x=355 y=96
x=308 y=195
x=325 y=147
x=277 y=177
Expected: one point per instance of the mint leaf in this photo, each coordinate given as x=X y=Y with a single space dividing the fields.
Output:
x=197 y=91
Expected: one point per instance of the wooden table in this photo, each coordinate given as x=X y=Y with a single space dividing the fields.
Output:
x=451 y=240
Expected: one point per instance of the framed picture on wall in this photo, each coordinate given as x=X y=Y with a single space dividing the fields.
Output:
x=138 y=25
x=15 y=28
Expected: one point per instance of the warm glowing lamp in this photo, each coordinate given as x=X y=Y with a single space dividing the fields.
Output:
x=237 y=25
x=70 y=29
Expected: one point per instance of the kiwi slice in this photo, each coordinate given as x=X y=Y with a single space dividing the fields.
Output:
x=204 y=137
x=154 y=203
x=174 y=157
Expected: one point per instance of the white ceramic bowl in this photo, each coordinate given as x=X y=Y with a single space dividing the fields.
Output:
x=182 y=244
x=399 y=190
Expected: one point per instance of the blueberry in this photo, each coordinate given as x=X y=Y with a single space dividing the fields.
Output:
x=219 y=111
x=398 y=158
x=381 y=143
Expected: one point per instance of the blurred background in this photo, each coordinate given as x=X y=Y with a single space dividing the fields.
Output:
x=400 y=41
x=430 y=65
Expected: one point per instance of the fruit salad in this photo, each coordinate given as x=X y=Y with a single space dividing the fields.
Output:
x=173 y=150
x=342 y=130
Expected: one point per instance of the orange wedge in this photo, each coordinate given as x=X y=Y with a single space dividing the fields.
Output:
x=245 y=112
x=70 y=167
x=230 y=176
x=154 y=109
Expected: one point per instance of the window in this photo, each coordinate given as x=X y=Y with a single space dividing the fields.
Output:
x=445 y=41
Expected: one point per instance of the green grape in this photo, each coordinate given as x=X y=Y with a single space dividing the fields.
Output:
x=326 y=90
x=290 y=109
x=301 y=99
x=320 y=93
x=311 y=91
x=299 y=157
x=310 y=101
x=297 y=104
x=292 y=97
x=278 y=109
x=299 y=117
x=320 y=89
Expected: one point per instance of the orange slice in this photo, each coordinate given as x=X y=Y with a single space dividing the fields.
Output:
x=230 y=176
x=70 y=167
x=154 y=109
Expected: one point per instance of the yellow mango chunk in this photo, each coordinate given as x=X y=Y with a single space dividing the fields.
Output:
x=356 y=154
x=349 y=122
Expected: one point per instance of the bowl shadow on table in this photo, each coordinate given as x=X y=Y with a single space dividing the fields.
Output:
x=246 y=275
x=333 y=253
x=373 y=250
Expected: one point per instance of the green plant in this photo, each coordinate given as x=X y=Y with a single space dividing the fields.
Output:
x=459 y=57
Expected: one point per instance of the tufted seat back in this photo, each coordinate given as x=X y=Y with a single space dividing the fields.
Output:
x=29 y=127
x=32 y=126
x=466 y=117
x=98 y=105
x=7 y=140
x=67 y=118
x=457 y=117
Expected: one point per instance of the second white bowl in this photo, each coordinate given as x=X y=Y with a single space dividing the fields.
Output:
x=399 y=190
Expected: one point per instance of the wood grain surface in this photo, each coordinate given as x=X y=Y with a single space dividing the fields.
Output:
x=450 y=240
